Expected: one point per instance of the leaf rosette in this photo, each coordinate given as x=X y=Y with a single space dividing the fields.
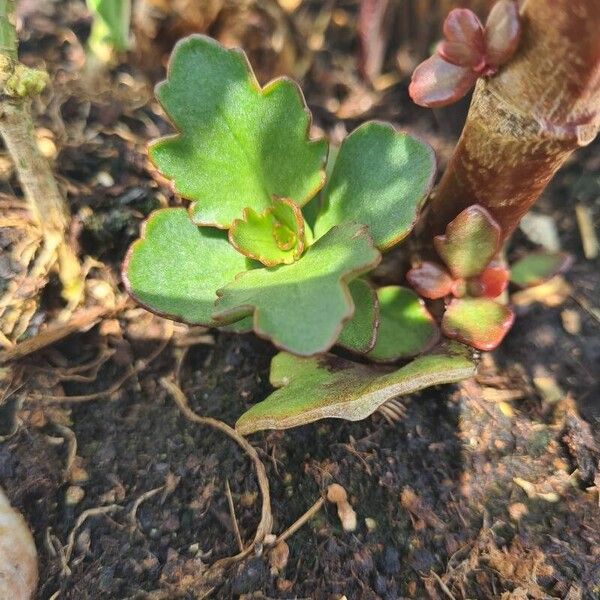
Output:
x=277 y=241
x=243 y=157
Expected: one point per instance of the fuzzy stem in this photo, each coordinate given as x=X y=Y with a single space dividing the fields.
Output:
x=524 y=123
x=45 y=201
x=47 y=206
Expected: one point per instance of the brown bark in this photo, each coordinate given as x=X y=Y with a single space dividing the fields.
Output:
x=525 y=122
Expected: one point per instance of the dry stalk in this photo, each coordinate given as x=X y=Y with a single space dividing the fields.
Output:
x=18 y=85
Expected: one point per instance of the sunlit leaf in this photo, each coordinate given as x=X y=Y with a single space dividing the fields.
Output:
x=430 y=280
x=360 y=331
x=380 y=178
x=237 y=145
x=436 y=82
x=463 y=44
x=478 y=322
x=175 y=268
x=538 y=267
x=302 y=307
x=327 y=386
x=470 y=242
x=502 y=32
x=273 y=237
x=405 y=326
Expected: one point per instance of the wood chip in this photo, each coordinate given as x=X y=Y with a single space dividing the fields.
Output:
x=589 y=239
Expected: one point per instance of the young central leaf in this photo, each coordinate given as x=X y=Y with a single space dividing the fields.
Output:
x=237 y=145
x=328 y=386
x=301 y=307
x=273 y=237
x=175 y=268
x=380 y=178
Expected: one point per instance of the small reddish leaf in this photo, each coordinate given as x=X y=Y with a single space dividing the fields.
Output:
x=492 y=282
x=464 y=43
x=502 y=32
x=478 y=322
x=436 y=82
x=430 y=280
x=539 y=267
x=470 y=242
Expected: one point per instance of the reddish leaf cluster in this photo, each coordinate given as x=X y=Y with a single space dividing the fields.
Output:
x=468 y=51
x=473 y=278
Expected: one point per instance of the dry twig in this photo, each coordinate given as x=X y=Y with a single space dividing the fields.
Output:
x=140 y=366
x=309 y=514
x=236 y=527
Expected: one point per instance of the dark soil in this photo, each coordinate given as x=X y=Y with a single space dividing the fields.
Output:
x=485 y=490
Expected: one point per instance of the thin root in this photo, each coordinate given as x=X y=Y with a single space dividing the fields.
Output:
x=266 y=519
x=81 y=519
x=140 y=366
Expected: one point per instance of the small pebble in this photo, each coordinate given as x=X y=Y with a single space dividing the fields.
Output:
x=517 y=510
x=571 y=321
x=78 y=475
x=278 y=557
x=74 y=495
x=105 y=179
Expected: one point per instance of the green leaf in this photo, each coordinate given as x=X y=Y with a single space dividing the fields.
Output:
x=175 y=268
x=111 y=22
x=539 y=267
x=360 y=331
x=478 y=322
x=238 y=145
x=380 y=178
x=405 y=326
x=301 y=307
x=471 y=241
x=273 y=237
x=327 y=386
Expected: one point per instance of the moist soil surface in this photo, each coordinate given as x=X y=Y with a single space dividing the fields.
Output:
x=487 y=489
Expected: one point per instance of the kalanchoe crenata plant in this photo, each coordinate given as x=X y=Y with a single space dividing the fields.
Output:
x=468 y=51
x=281 y=239
x=272 y=244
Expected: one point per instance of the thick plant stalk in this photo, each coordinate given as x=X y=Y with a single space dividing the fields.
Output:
x=524 y=123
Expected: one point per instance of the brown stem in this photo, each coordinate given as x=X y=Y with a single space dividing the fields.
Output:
x=524 y=123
